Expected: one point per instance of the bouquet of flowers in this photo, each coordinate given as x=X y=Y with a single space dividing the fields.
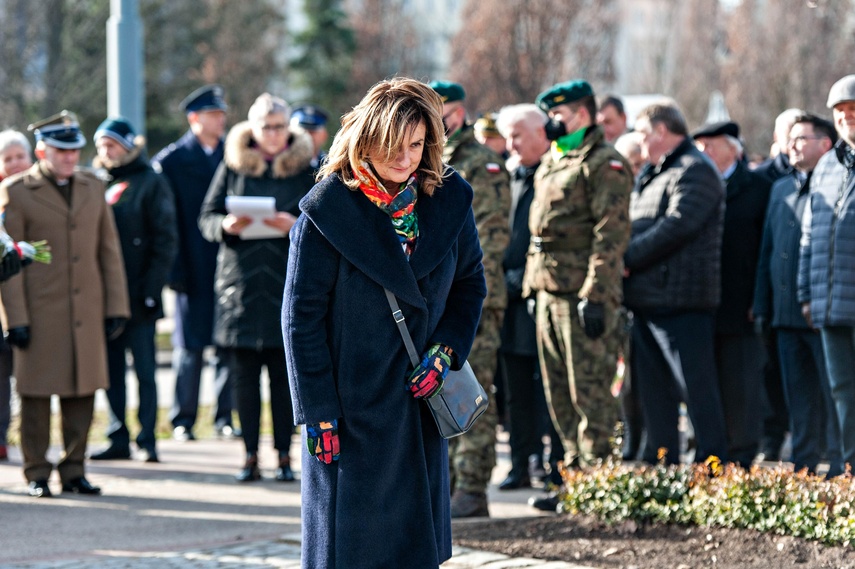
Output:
x=38 y=251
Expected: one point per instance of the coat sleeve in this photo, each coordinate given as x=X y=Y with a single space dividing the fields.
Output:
x=763 y=280
x=15 y=313
x=163 y=227
x=692 y=199
x=311 y=277
x=116 y=302
x=462 y=314
x=803 y=282
x=213 y=209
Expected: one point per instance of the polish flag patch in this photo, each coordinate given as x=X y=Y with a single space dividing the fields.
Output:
x=615 y=165
x=493 y=168
x=114 y=193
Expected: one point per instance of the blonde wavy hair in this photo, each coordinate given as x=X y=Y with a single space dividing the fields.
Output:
x=382 y=120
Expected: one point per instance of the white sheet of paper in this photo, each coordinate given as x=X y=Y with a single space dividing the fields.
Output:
x=258 y=208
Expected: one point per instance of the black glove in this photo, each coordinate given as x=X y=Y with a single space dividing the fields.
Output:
x=514 y=282
x=113 y=327
x=19 y=336
x=152 y=307
x=10 y=265
x=592 y=316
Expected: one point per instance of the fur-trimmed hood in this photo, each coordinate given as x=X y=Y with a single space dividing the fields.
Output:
x=133 y=154
x=242 y=156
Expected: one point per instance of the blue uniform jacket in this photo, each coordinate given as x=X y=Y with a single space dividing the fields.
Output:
x=386 y=502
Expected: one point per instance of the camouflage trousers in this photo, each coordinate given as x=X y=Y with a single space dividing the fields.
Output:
x=577 y=377
x=472 y=456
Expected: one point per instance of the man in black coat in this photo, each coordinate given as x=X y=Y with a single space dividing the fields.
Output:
x=739 y=352
x=145 y=218
x=672 y=285
x=189 y=164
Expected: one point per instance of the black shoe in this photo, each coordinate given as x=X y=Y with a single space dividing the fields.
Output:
x=514 y=481
x=183 y=434
x=250 y=471
x=39 y=489
x=113 y=452
x=147 y=455
x=80 y=486
x=284 y=472
x=469 y=505
x=548 y=503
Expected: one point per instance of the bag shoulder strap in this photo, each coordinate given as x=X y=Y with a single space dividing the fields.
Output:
x=402 y=327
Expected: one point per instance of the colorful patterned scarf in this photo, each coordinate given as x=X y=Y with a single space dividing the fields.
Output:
x=400 y=208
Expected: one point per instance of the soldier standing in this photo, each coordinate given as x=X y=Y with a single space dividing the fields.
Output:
x=473 y=455
x=579 y=225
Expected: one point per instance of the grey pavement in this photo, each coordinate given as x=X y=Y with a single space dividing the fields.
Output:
x=187 y=511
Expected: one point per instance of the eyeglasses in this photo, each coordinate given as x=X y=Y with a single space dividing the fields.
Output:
x=274 y=127
x=801 y=139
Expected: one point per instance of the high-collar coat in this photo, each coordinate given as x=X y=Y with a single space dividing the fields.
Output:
x=386 y=502
x=65 y=302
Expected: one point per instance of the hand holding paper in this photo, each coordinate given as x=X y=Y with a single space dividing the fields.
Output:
x=259 y=210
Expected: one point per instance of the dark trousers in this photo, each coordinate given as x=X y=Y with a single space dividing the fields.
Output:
x=739 y=361
x=245 y=368
x=528 y=418
x=813 y=415
x=838 y=346
x=777 y=418
x=188 y=375
x=138 y=338
x=673 y=361
x=5 y=390
x=35 y=436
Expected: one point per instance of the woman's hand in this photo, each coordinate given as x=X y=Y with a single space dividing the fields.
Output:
x=283 y=221
x=322 y=441
x=427 y=379
x=233 y=225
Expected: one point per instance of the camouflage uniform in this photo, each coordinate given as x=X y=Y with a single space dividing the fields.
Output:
x=579 y=231
x=473 y=455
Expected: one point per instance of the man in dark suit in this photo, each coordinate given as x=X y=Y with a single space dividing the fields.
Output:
x=189 y=164
x=739 y=352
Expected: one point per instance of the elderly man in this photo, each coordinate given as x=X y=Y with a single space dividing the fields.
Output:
x=739 y=352
x=473 y=456
x=60 y=315
x=673 y=286
x=189 y=165
x=579 y=232
x=826 y=285
x=813 y=417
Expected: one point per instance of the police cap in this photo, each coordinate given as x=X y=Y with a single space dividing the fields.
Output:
x=207 y=98
x=310 y=117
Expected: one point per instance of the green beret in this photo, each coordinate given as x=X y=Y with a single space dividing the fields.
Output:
x=448 y=91
x=564 y=93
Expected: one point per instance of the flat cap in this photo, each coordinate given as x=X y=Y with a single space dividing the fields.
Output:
x=310 y=117
x=207 y=98
x=61 y=130
x=723 y=128
x=449 y=92
x=842 y=90
x=564 y=93
x=486 y=124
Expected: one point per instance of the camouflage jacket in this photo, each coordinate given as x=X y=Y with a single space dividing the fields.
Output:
x=485 y=171
x=579 y=222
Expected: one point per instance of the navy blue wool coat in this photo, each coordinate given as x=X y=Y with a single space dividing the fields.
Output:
x=386 y=502
x=189 y=171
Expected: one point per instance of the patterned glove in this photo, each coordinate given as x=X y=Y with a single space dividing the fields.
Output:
x=322 y=440
x=426 y=380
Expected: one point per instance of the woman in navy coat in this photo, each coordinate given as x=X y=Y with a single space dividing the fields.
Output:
x=387 y=214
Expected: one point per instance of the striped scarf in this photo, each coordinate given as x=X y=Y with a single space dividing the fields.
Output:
x=400 y=208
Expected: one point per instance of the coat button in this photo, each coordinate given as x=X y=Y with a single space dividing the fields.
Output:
x=77 y=291
x=785 y=256
x=78 y=324
x=137 y=241
x=75 y=258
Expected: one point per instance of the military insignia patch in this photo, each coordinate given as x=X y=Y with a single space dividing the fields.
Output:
x=493 y=168
x=114 y=193
x=615 y=165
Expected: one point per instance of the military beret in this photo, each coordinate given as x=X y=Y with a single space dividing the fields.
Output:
x=118 y=129
x=310 y=117
x=61 y=130
x=724 y=128
x=564 y=93
x=842 y=90
x=207 y=98
x=486 y=124
x=449 y=92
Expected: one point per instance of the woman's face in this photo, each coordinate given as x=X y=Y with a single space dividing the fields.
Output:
x=13 y=160
x=271 y=133
x=397 y=170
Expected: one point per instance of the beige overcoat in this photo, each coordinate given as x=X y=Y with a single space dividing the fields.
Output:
x=64 y=303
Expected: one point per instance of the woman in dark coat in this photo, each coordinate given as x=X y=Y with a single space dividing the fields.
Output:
x=387 y=214
x=263 y=157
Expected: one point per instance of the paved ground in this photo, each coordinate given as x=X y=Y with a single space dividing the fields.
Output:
x=186 y=511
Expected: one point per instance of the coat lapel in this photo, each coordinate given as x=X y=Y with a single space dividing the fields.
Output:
x=44 y=191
